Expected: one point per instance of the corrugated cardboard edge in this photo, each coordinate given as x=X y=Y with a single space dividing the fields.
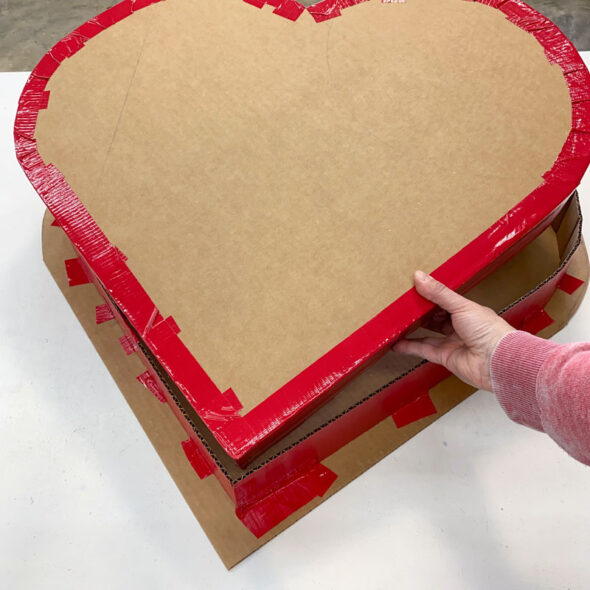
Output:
x=213 y=509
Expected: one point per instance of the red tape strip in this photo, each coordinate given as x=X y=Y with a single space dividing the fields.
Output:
x=202 y=466
x=103 y=314
x=570 y=284
x=537 y=322
x=290 y=9
x=129 y=344
x=151 y=384
x=232 y=400
x=273 y=509
x=328 y=9
x=76 y=273
x=414 y=411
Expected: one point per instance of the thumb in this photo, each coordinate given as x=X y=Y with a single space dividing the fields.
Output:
x=438 y=293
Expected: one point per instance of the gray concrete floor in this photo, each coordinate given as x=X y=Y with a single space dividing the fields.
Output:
x=28 y=28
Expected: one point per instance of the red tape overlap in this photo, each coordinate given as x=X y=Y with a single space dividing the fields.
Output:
x=264 y=515
x=290 y=9
x=201 y=464
x=151 y=384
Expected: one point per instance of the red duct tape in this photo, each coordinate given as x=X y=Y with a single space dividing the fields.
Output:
x=103 y=314
x=203 y=467
x=128 y=343
x=414 y=411
x=150 y=383
x=232 y=400
x=123 y=258
x=289 y=9
x=172 y=325
x=214 y=408
x=242 y=437
x=329 y=9
x=537 y=322
x=76 y=273
x=570 y=284
x=264 y=515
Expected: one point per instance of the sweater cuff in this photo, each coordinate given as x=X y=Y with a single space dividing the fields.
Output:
x=514 y=369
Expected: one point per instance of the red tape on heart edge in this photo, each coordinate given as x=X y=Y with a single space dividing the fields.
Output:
x=570 y=284
x=420 y=408
x=76 y=273
x=264 y=515
x=129 y=344
x=537 y=322
x=242 y=436
x=151 y=384
x=103 y=314
x=200 y=462
x=322 y=11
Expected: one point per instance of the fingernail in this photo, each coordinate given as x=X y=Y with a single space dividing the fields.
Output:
x=421 y=275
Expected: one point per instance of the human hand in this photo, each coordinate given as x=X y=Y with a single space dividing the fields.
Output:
x=471 y=334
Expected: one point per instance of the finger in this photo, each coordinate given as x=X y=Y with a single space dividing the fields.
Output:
x=438 y=293
x=427 y=348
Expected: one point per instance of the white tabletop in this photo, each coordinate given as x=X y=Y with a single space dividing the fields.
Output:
x=474 y=501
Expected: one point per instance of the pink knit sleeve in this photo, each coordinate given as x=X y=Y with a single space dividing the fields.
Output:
x=546 y=386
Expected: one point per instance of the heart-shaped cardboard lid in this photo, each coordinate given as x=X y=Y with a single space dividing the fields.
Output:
x=274 y=182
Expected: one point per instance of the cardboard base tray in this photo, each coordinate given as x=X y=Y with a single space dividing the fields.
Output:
x=551 y=273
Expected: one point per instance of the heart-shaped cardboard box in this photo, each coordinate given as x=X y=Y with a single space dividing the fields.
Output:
x=272 y=180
